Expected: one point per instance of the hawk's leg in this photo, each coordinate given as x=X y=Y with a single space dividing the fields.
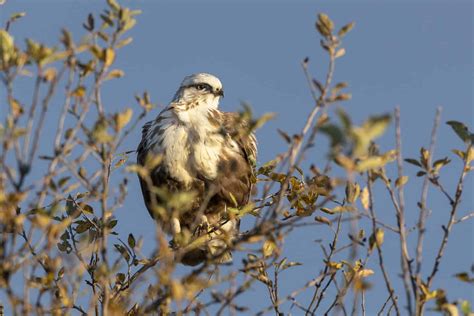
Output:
x=175 y=231
x=203 y=226
x=175 y=226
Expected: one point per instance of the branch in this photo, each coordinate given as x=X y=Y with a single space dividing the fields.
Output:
x=379 y=248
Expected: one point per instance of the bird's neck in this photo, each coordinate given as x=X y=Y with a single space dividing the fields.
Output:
x=195 y=113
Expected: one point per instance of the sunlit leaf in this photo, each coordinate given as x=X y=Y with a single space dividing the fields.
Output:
x=334 y=265
x=323 y=220
x=123 y=118
x=109 y=57
x=401 y=181
x=373 y=128
x=365 y=273
x=7 y=48
x=268 y=248
x=345 y=29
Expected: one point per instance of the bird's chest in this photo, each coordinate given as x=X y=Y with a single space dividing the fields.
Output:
x=191 y=152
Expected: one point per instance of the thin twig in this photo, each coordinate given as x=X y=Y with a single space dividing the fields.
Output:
x=424 y=195
x=405 y=257
x=379 y=248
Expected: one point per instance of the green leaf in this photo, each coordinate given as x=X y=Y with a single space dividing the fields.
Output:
x=289 y=265
x=324 y=25
x=345 y=29
x=343 y=116
x=438 y=164
x=131 y=241
x=71 y=207
x=334 y=133
x=123 y=251
x=462 y=131
x=83 y=226
x=413 y=162
x=112 y=224
x=466 y=308
x=268 y=167
x=120 y=277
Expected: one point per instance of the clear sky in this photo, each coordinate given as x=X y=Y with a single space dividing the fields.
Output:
x=416 y=54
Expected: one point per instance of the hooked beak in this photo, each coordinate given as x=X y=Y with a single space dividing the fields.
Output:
x=219 y=93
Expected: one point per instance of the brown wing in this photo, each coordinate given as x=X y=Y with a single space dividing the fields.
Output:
x=235 y=179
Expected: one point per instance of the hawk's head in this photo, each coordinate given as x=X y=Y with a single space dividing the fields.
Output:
x=200 y=88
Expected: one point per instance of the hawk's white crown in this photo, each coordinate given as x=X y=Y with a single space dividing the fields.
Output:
x=202 y=78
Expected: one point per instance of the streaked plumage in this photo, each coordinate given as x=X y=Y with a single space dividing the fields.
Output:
x=204 y=151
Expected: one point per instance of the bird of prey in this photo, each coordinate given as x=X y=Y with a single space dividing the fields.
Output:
x=205 y=157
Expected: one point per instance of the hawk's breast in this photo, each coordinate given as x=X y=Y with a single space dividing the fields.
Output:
x=190 y=151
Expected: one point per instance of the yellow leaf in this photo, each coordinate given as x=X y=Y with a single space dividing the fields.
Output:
x=177 y=290
x=124 y=42
x=401 y=181
x=470 y=154
x=379 y=236
x=364 y=198
x=49 y=74
x=341 y=52
x=365 y=273
x=122 y=119
x=16 y=108
x=42 y=220
x=373 y=128
x=109 y=57
x=334 y=265
x=352 y=191
x=459 y=153
x=116 y=73
x=268 y=247
x=79 y=92
x=426 y=294
x=327 y=210
x=450 y=309
x=345 y=208
x=6 y=47
x=370 y=163
x=424 y=157
x=323 y=220
x=376 y=239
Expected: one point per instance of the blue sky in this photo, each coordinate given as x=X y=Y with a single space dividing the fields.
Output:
x=414 y=54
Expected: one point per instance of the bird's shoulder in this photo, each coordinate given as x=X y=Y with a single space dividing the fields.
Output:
x=239 y=129
x=152 y=132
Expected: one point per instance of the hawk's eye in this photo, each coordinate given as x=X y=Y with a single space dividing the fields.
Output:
x=201 y=87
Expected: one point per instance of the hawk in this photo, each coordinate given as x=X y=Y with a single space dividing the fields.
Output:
x=205 y=156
